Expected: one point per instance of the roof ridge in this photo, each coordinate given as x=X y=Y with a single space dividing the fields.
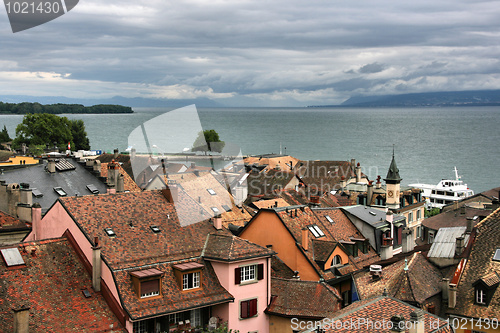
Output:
x=487 y=218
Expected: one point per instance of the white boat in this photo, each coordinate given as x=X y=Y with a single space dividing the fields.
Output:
x=444 y=193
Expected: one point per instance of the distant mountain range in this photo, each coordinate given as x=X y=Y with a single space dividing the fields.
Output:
x=435 y=99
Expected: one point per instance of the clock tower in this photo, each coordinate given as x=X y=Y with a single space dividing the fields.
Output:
x=393 y=184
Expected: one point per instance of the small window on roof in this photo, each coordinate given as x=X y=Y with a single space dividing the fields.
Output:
x=12 y=257
x=92 y=188
x=496 y=257
x=155 y=229
x=36 y=193
x=60 y=191
x=329 y=219
x=215 y=210
x=110 y=232
x=316 y=231
x=373 y=213
x=212 y=192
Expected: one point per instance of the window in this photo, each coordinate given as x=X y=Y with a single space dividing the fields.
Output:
x=419 y=231
x=190 y=281
x=496 y=257
x=410 y=217
x=431 y=237
x=195 y=317
x=329 y=219
x=419 y=214
x=248 y=308
x=212 y=192
x=480 y=296
x=175 y=318
x=141 y=326
x=155 y=229
x=337 y=261
x=249 y=273
x=316 y=231
x=150 y=288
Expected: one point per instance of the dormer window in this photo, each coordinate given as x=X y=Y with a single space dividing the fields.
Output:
x=485 y=287
x=188 y=275
x=147 y=283
x=316 y=231
x=337 y=261
x=480 y=296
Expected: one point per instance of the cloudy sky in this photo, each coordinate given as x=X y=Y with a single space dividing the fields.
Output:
x=253 y=52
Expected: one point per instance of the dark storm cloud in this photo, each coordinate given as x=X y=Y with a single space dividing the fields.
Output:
x=290 y=51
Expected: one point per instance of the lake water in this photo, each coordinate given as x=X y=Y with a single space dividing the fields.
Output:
x=428 y=142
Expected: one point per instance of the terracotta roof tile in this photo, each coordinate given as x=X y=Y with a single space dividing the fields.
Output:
x=302 y=299
x=51 y=284
x=232 y=248
x=380 y=310
x=8 y=222
x=480 y=266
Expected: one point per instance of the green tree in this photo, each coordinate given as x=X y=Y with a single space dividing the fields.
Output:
x=4 y=135
x=80 y=139
x=44 y=128
x=208 y=140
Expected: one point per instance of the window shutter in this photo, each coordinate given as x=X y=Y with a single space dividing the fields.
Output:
x=260 y=271
x=237 y=275
x=244 y=309
x=151 y=286
x=252 y=307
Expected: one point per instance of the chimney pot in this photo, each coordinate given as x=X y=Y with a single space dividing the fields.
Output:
x=305 y=239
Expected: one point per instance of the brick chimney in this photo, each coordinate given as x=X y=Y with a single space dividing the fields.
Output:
x=113 y=172
x=217 y=220
x=305 y=239
x=21 y=319
x=36 y=220
x=96 y=265
x=358 y=173
x=417 y=322
x=51 y=165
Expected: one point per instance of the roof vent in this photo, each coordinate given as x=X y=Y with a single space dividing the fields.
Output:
x=376 y=272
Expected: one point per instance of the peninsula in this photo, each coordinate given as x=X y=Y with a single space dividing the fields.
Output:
x=60 y=108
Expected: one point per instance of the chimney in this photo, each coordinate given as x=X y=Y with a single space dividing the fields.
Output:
x=470 y=225
x=120 y=186
x=36 y=219
x=460 y=245
x=217 y=220
x=378 y=184
x=196 y=173
x=193 y=165
x=163 y=166
x=113 y=172
x=26 y=197
x=13 y=198
x=386 y=252
x=376 y=272
x=353 y=163
x=389 y=216
x=291 y=165
x=97 y=167
x=51 y=166
x=343 y=182
x=305 y=239
x=417 y=322
x=358 y=173
x=444 y=288
x=96 y=265
x=369 y=193
x=408 y=243
x=111 y=189
x=452 y=296
x=21 y=319
x=171 y=192
x=398 y=323
x=115 y=154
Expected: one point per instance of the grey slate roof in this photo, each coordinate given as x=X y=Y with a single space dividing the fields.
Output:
x=374 y=217
x=73 y=181
x=445 y=242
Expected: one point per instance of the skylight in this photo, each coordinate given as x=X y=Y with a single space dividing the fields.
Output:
x=155 y=229
x=215 y=209
x=329 y=219
x=212 y=192
x=496 y=257
x=92 y=188
x=110 y=232
x=316 y=231
x=60 y=191
x=373 y=213
x=12 y=257
x=36 y=193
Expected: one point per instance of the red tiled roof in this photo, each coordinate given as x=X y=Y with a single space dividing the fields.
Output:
x=302 y=299
x=51 y=284
x=230 y=248
x=480 y=266
x=419 y=283
x=8 y=222
x=379 y=310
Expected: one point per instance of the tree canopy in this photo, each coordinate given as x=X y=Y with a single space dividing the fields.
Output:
x=208 y=140
x=47 y=129
x=26 y=107
x=4 y=135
